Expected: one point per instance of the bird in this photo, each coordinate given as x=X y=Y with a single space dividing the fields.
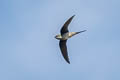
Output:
x=64 y=36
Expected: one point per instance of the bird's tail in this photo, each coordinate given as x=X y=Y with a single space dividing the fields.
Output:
x=80 y=31
x=74 y=33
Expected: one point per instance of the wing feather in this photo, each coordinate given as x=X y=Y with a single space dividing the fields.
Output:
x=64 y=29
x=63 y=49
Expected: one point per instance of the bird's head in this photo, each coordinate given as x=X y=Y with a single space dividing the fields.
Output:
x=58 y=36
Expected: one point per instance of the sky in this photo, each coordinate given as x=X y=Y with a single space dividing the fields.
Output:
x=29 y=51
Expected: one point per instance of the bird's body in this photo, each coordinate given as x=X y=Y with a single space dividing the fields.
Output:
x=64 y=36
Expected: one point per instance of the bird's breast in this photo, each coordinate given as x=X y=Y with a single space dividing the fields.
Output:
x=65 y=36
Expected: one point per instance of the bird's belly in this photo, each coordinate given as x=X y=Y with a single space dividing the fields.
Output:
x=68 y=35
x=65 y=36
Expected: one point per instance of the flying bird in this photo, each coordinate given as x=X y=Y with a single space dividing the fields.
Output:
x=63 y=37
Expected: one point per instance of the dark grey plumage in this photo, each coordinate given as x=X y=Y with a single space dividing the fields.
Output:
x=63 y=37
x=62 y=43
x=63 y=49
x=64 y=29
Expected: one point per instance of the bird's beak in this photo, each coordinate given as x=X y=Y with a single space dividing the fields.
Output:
x=55 y=36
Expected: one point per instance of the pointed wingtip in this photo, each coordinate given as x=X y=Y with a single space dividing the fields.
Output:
x=68 y=62
x=73 y=15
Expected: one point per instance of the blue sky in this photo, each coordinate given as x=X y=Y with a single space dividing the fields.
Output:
x=29 y=51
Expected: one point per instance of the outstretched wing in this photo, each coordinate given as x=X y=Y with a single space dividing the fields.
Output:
x=64 y=29
x=63 y=49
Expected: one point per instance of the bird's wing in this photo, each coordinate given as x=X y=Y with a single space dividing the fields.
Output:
x=64 y=29
x=63 y=49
